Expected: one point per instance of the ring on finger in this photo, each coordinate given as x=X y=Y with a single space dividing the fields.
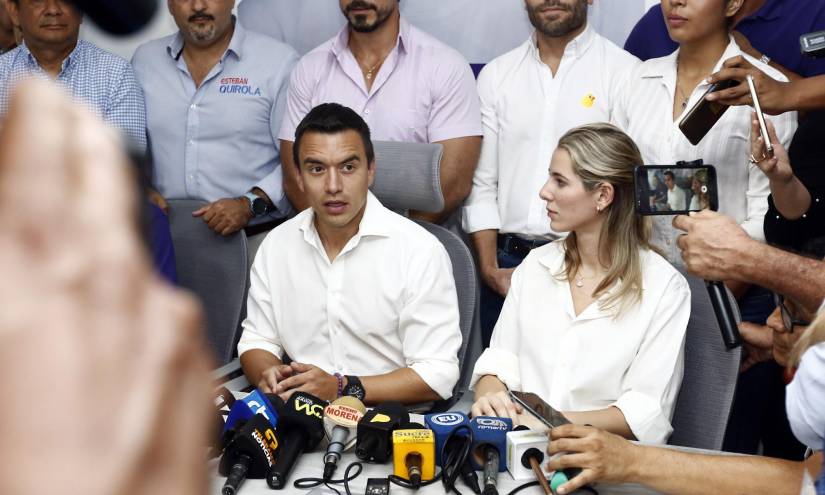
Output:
x=753 y=159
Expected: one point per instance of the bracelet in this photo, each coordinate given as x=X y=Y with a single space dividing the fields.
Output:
x=340 y=384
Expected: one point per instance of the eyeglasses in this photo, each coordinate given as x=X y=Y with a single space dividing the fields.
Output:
x=787 y=317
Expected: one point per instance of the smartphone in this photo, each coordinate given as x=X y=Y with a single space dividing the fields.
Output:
x=703 y=116
x=540 y=409
x=675 y=189
x=763 y=129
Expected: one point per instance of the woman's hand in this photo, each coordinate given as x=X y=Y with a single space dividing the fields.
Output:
x=776 y=166
x=497 y=404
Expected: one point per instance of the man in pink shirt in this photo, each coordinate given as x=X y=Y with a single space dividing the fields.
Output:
x=406 y=85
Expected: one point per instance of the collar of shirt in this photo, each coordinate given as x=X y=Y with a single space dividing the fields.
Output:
x=68 y=63
x=554 y=262
x=374 y=223
x=236 y=44
x=341 y=42
x=577 y=47
x=665 y=67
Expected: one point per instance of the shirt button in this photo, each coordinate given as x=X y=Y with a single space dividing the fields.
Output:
x=367 y=111
x=667 y=241
x=194 y=106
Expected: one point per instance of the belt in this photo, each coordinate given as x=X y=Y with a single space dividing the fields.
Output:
x=260 y=228
x=517 y=246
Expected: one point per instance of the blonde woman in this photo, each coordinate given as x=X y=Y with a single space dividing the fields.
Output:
x=594 y=323
x=805 y=396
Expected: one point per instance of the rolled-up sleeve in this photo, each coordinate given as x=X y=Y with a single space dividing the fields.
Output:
x=651 y=384
x=260 y=330
x=429 y=321
x=501 y=358
x=299 y=99
x=480 y=211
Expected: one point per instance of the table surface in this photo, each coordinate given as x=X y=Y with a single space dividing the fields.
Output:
x=311 y=466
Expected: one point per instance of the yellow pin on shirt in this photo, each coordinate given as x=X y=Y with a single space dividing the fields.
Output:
x=588 y=100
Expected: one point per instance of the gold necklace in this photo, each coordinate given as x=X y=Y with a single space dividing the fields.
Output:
x=369 y=72
x=580 y=280
x=679 y=86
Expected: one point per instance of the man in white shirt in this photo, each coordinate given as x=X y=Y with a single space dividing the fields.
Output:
x=676 y=197
x=558 y=79
x=361 y=299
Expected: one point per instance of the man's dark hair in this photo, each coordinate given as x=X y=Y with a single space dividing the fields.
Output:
x=332 y=118
x=670 y=174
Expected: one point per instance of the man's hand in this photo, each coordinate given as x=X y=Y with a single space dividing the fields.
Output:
x=602 y=456
x=498 y=279
x=84 y=316
x=497 y=404
x=157 y=199
x=226 y=216
x=772 y=93
x=310 y=379
x=758 y=343
x=271 y=377
x=713 y=245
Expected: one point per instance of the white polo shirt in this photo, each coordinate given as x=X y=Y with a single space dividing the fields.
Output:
x=593 y=361
x=388 y=301
x=525 y=109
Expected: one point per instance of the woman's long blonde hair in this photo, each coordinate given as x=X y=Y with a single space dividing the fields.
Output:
x=813 y=335
x=601 y=153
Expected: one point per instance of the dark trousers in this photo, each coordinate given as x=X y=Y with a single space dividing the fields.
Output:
x=510 y=253
x=758 y=414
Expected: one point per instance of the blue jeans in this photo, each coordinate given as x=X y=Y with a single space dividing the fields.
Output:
x=491 y=301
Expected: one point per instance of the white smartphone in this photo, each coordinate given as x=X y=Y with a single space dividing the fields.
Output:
x=763 y=129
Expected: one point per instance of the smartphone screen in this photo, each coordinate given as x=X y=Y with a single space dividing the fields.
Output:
x=704 y=114
x=540 y=409
x=675 y=190
x=763 y=129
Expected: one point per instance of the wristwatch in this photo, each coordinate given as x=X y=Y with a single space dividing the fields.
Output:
x=354 y=388
x=257 y=205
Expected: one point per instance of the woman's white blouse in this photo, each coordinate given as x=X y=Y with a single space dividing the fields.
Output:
x=633 y=360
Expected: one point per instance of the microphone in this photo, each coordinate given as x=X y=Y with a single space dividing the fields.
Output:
x=300 y=428
x=249 y=454
x=119 y=17
x=489 y=442
x=724 y=314
x=413 y=453
x=243 y=410
x=447 y=443
x=375 y=429
x=340 y=422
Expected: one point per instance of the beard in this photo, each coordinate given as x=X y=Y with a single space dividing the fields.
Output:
x=360 y=23
x=564 y=24
x=202 y=33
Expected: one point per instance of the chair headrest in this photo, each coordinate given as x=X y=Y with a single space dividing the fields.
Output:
x=407 y=176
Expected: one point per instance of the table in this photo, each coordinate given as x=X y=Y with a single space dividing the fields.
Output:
x=311 y=465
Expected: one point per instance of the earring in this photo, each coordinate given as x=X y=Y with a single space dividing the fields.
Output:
x=598 y=209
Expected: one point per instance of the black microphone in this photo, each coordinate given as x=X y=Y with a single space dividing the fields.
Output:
x=375 y=429
x=300 y=428
x=724 y=314
x=250 y=454
x=119 y=17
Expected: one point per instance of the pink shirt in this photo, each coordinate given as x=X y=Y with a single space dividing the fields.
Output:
x=423 y=93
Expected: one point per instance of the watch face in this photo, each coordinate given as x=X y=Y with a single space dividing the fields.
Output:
x=259 y=206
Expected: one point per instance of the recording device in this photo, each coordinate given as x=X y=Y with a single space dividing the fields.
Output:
x=375 y=429
x=119 y=17
x=547 y=414
x=489 y=447
x=413 y=453
x=763 y=129
x=300 y=428
x=450 y=430
x=703 y=187
x=813 y=44
x=340 y=422
x=701 y=118
x=675 y=189
x=250 y=454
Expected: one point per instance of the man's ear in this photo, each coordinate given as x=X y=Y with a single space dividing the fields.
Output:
x=300 y=178
x=371 y=172
x=14 y=14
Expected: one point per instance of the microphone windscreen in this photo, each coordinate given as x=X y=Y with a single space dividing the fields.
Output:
x=305 y=413
x=119 y=17
x=490 y=431
x=443 y=424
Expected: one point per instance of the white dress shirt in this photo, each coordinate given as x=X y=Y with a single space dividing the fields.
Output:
x=633 y=361
x=524 y=112
x=644 y=109
x=676 y=198
x=388 y=301
x=805 y=399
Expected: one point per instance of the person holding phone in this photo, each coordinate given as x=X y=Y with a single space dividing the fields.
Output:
x=594 y=324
